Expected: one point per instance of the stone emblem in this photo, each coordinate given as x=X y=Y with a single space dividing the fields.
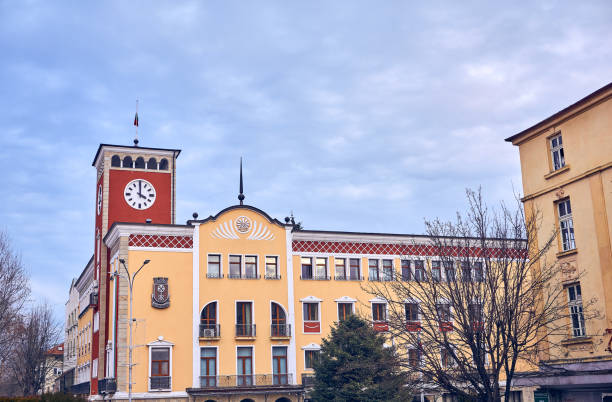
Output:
x=243 y=224
x=161 y=296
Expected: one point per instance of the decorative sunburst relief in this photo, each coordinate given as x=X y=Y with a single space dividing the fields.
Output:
x=232 y=229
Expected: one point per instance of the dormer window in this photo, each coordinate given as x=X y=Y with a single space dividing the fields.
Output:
x=556 y=151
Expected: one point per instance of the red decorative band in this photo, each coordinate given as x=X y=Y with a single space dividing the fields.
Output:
x=160 y=241
x=342 y=247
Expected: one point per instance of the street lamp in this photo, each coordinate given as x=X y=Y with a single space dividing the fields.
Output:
x=131 y=283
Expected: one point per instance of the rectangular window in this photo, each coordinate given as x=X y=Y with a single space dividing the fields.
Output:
x=341 y=274
x=214 y=266
x=208 y=367
x=414 y=357
x=566 y=225
x=406 y=270
x=250 y=266
x=478 y=272
x=444 y=317
x=574 y=294
x=475 y=316
x=355 y=269
x=379 y=312
x=419 y=270
x=436 y=273
x=321 y=268
x=244 y=319
x=306 y=268
x=387 y=272
x=272 y=268
x=557 y=153
x=344 y=310
x=449 y=271
x=373 y=270
x=160 y=368
x=312 y=323
x=412 y=312
x=245 y=366
x=310 y=357
x=466 y=271
x=446 y=358
x=235 y=266
x=279 y=365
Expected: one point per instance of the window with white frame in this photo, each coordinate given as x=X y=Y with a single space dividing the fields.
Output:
x=235 y=266
x=414 y=357
x=419 y=270
x=306 y=268
x=310 y=357
x=436 y=271
x=311 y=314
x=374 y=273
x=556 y=152
x=214 y=266
x=566 y=225
x=272 y=267
x=160 y=366
x=355 y=268
x=574 y=294
x=406 y=271
x=341 y=271
x=379 y=312
x=250 y=266
x=344 y=310
x=208 y=367
x=321 y=268
x=387 y=270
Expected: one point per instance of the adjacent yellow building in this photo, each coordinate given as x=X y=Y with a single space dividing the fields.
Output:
x=566 y=164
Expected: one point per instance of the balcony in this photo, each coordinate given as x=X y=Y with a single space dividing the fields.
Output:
x=245 y=330
x=210 y=330
x=280 y=330
x=342 y=277
x=107 y=386
x=273 y=276
x=214 y=275
x=80 y=389
x=246 y=380
x=315 y=277
x=244 y=275
x=380 y=326
x=160 y=383
x=308 y=380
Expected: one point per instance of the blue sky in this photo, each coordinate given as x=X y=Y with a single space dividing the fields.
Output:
x=359 y=116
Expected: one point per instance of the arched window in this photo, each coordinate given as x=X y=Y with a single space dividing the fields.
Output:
x=152 y=164
x=139 y=163
x=127 y=162
x=163 y=164
x=247 y=400
x=283 y=399
x=208 y=321
x=279 y=321
x=116 y=161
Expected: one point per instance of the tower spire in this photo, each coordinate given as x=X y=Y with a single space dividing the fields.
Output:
x=136 y=124
x=241 y=195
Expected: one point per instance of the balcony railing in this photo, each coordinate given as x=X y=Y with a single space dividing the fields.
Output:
x=308 y=380
x=244 y=275
x=273 y=276
x=342 y=277
x=245 y=330
x=214 y=275
x=80 y=389
x=315 y=277
x=160 y=383
x=107 y=386
x=280 y=330
x=210 y=330
x=245 y=380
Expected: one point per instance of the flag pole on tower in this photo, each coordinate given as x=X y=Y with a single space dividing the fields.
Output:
x=136 y=124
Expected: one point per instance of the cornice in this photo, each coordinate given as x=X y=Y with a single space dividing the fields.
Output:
x=133 y=149
x=121 y=229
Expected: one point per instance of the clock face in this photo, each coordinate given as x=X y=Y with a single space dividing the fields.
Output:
x=99 y=203
x=139 y=194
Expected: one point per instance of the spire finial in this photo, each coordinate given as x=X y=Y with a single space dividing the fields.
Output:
x=241 y=195
x=136 y=124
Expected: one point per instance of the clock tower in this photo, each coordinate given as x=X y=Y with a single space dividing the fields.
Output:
x=133 y=184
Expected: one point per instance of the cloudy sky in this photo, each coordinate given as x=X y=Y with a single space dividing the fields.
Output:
x=358 y=116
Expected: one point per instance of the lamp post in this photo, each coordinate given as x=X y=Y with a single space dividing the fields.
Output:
x=131 y=283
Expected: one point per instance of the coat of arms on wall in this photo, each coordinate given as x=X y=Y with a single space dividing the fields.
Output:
x=160 y=297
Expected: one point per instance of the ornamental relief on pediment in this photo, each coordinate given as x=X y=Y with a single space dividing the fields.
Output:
x=233 y=229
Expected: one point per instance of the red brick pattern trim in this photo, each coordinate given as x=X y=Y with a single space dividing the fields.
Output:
x=160 y=241
x=341 y=247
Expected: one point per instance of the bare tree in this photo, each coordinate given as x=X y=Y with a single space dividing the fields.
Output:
x=487 y=304
x=14 y=290
x=35 y=334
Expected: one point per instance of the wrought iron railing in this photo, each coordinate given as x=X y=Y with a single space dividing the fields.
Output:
x=280 y=330
x=210 y=330
x=160 y=382
x=107 y=386
x=245 y=330
x=245 y=380
x=80 y=389
x=214 y=275
x=308 y=380
x=343 y=277
x=245 y=275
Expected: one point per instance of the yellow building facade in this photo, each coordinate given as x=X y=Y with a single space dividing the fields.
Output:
x=566 y=164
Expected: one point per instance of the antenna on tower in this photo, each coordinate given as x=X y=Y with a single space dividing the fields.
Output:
x=136 y=124
x=241 y=195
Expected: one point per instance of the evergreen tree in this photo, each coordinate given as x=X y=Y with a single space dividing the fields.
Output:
x=355 y=366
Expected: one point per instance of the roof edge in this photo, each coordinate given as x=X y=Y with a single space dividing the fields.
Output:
x=581 y=103
x=176 y=151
